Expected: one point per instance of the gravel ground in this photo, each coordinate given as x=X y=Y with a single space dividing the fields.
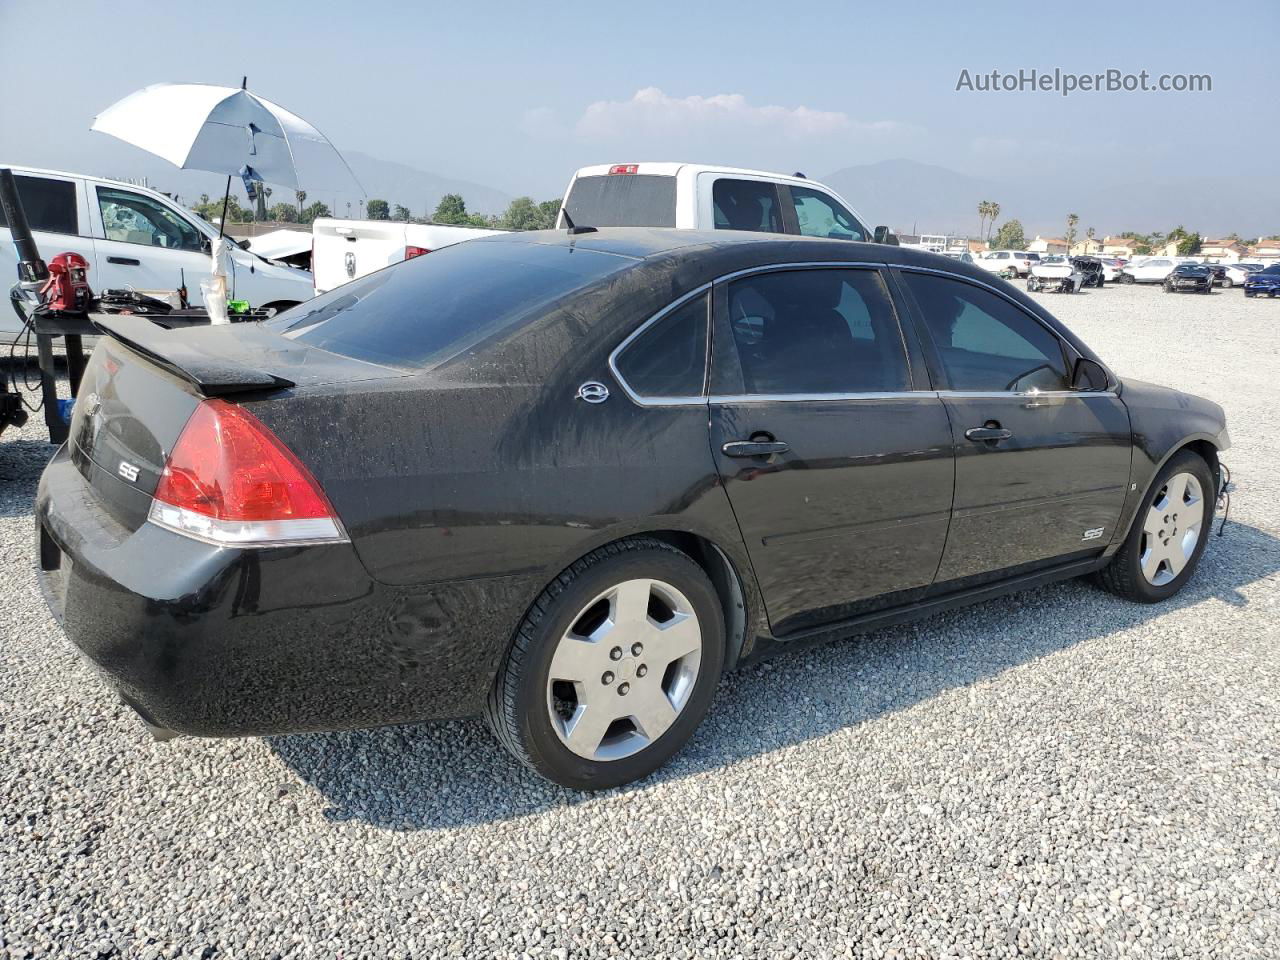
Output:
x=1059 y=774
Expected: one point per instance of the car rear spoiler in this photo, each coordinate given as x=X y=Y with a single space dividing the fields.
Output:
x=214 y=373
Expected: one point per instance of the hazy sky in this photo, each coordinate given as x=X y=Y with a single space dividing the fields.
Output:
x=516 y=95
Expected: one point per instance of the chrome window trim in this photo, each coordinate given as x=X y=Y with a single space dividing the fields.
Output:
x=703 y=399
x=642 y=401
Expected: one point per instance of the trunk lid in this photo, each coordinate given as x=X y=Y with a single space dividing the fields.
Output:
x=143 y=383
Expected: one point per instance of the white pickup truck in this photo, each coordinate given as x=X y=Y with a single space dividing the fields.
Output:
x=134 y=238
x=342 y=250
x=690 y=196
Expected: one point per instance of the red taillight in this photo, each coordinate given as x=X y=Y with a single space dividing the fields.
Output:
x=624 y=168
x=411 y=252
x=230 y=480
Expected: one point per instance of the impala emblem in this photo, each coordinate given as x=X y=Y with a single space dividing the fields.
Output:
x=593 y=391
x=351 y=265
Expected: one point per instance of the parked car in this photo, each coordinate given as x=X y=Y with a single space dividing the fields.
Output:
x=345 y=250
x=133 y=237
x=1092 y=271
x=693 y=196
x=579 y=476
x=1057 y=274
x=1263 y=282
x=1237 y=273
x=961 y=255
x=1189 y=277
x=1111 y=267
x=1150 y=270
x=1015 y=263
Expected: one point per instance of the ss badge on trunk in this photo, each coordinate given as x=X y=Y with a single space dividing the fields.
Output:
x=128 y=471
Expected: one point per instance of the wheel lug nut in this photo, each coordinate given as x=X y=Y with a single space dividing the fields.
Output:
x=615 y=653
x=636 y=649
x=623 y=688
x=641 y=670
x=607 y=678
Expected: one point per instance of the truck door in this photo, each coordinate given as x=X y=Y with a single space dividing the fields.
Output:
x=145 y=245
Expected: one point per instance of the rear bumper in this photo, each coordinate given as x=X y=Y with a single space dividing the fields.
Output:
x=210 y=641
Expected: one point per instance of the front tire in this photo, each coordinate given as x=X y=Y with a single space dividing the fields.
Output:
x=613 y=667
x=1168 y=535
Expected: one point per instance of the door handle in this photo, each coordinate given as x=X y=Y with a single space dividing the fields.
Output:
x=754 y=448
x=993 y=434
x=125 y=261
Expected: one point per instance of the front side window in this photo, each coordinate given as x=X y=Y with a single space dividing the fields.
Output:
x=817 y=332
x=50 y=205
x=984 y=342
x=746 y=205
x=133 y=218
x=820 y=216
x=669 y=359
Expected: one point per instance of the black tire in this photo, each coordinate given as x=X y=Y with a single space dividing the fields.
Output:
x=517 y=707
x=1227 y=283
x=1248 y=293
x=1123 y=575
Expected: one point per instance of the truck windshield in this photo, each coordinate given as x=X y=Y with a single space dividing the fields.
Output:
x=428 y=310
x=623 y=200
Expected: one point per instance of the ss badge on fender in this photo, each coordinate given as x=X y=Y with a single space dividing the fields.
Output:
x=1093 y=534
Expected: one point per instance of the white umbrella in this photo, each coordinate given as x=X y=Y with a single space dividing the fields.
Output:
x=225 y=130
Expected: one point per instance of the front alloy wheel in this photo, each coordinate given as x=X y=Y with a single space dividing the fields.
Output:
x=1171 y=530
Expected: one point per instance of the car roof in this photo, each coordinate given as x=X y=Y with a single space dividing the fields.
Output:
x=669 y=168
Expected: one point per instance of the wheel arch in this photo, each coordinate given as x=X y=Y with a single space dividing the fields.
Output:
x=1203 y=446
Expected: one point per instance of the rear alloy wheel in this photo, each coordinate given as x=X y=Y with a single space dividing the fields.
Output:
x=613 y=668
x=1168 y=536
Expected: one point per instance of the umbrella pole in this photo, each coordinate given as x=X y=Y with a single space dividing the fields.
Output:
x=226 y=198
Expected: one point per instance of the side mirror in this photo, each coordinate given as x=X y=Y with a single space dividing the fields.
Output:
x=206 y=245
x=882 y=235
x=242 y=244
x=1089 y=375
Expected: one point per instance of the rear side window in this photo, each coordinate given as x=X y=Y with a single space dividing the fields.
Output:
x=50 y=205
x=985 y=343
x=623 y=200
x=817 y=332
x=746 y=205
x=425 y=311
x=820 y=216
x=669 y=359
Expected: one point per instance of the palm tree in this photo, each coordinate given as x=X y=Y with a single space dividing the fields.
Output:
x=984 y=208
x=993 y=210
x=1072 y=220
x=302 y=198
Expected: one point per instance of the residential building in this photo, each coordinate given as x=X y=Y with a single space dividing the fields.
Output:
x=1047 y=245
x=1117 y=247
x=1223 y=251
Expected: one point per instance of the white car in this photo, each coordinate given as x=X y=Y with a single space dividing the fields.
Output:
x=998 y=261
x=1237 y=273
x=1056 y=274
x=135 y=238
x=343 y=250
x=1150 y=270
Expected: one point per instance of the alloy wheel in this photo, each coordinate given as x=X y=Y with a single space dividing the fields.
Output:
x=1171 y=529
x=624 y=670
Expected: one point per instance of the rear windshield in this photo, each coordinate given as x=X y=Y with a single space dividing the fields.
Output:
x=623 y=200
x=425 y=311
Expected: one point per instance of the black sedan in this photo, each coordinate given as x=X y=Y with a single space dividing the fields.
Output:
x=1264 y=283
x=1189 y=278
x=567 y=480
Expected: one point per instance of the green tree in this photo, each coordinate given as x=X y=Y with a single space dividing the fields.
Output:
x=314 y=212
x=283 y=213
x=1189 y=245
x=524 y=214
x=211 y=210
x=377 y=210
x=1010 y=236
x=551 y=210
x=451 y=209
x=401 y=212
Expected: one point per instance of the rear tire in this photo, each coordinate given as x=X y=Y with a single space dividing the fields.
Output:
x=598 y=690
x=1149 y=567
x=1227 y=283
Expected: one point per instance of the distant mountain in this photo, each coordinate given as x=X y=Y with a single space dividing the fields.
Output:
x=922 y=198
x=82 y=151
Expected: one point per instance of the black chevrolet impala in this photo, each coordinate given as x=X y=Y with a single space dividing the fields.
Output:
x=568 y=480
